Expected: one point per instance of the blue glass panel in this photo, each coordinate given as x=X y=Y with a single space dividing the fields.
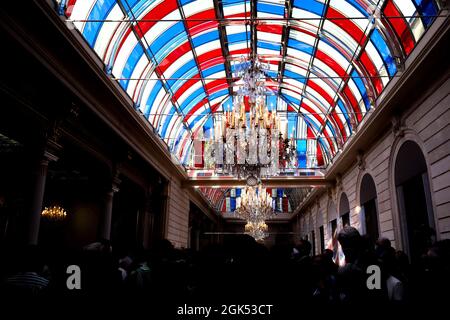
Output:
x=100 y=11
x=361 y=88
x=138 y=7
x=151 y=98
x=218 y=94
x=329 y=126
x=168 y=40
x=292 y=124
x=301 y=153
x=290 y=100
x=383 y=49
x=232 y=2
x=302 y=46
x=166 y=123
x=427 y=9
x=205 y=37
x=192 y=100
x=271 y=102
x=271 y=75
x=207 y=128
x=270 y=8
x=193 y=121
x=212 y=70
x=189 y=68
x=233 y=203
x=183 y=2
x=238 y=37
x=310 y=5
x=293 y=75
x=178 y=138
x=128 y=69
x=130 y=3
x=311 y=122
x=279 y=193
x=269 y=45
x=341 y=109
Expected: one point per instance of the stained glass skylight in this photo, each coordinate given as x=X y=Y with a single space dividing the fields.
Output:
x=329 y=60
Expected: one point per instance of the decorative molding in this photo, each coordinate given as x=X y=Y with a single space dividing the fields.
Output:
x=400 y=63
x=331 y=192
x=398 y=127
x=353 y=124
x=339 y=185
x=115 y=180
x=51 y=146
x=361 y=162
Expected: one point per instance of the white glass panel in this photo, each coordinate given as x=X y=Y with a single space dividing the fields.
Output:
x=81 y=11
x=197 y=85
x=378 y=61
x=207 y=47
x=196 y=7
x=107 y=30
x=161 y=26
x=137 y=73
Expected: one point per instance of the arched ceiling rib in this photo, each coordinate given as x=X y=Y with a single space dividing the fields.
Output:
x=329 y=59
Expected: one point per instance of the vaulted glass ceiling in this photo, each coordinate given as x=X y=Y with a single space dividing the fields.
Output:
x=329 y=60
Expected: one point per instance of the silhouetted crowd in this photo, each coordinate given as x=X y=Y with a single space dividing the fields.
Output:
x=239 y=271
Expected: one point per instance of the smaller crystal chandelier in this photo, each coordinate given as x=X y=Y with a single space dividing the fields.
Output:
x=255 y=205
x=55 y=213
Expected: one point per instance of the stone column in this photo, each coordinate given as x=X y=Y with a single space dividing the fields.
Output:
x=105 y=226
x=38 y=189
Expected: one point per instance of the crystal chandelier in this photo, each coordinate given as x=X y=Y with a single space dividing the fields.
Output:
x=253 y=76
x=255 y=204
x=251 y=141
x=255 y=207
x=54 y=213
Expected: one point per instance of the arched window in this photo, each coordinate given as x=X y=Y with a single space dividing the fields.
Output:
x=369 y=207
x=344 y=210
x=414 y=199
x=332 y=217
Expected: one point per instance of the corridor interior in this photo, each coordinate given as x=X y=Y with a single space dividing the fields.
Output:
x=273 y=154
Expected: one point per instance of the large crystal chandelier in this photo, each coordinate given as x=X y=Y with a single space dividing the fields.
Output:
x=250 y=140
x=255 y=207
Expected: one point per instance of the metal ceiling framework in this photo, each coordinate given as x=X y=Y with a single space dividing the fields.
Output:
x=329 y=60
